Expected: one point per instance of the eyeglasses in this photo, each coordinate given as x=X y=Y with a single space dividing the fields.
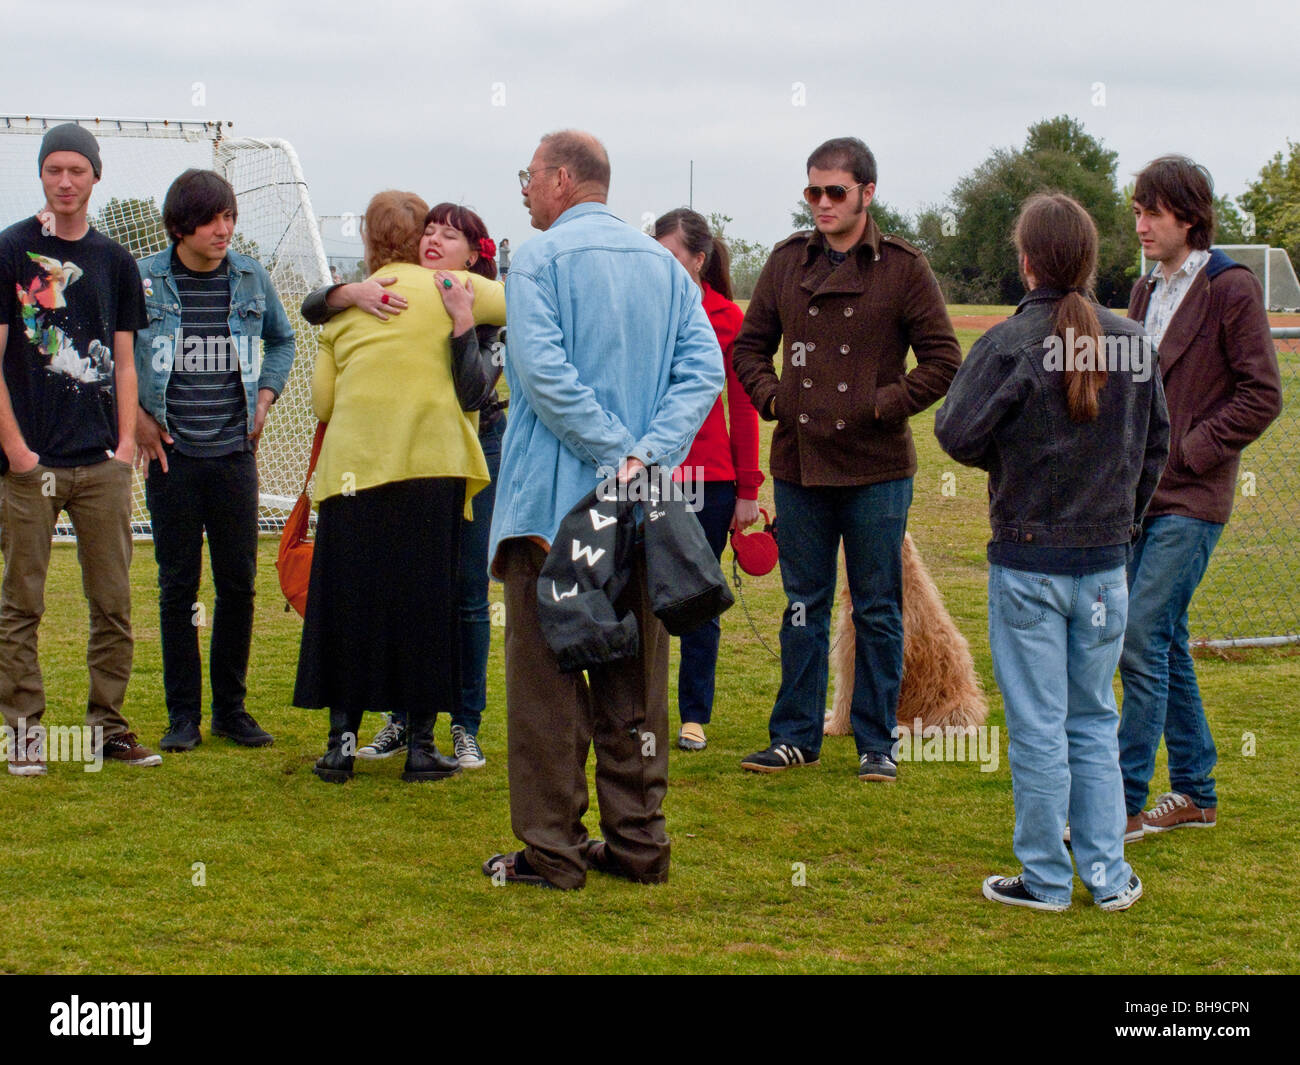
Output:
x=836 y=193
x=526 y=176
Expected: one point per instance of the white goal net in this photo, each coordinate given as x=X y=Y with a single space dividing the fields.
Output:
x=276 y=226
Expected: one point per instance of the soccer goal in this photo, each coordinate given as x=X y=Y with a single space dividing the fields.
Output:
x=276 y=226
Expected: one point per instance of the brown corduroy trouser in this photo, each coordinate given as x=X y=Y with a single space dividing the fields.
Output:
x=553 y=719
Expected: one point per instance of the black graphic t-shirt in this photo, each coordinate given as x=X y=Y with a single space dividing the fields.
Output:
x=63 y=300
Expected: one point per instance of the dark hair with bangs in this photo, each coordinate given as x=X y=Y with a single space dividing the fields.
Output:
x=1175 y=183
x=845 y=153
x=195 y=199
x=469 y=223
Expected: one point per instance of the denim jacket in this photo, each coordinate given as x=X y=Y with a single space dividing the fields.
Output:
x=255 y=314
x=611 y=355
x=1055 y=483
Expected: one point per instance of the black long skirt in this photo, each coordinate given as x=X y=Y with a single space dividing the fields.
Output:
x=382 y=630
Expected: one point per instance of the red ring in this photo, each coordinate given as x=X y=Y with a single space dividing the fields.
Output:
x=383 y=297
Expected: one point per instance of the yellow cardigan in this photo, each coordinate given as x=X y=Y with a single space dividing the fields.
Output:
x=385 y=388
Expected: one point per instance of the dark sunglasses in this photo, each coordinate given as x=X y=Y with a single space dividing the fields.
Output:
x=836 y=193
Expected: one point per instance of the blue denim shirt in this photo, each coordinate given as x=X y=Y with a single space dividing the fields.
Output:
x=611 y=355
x=255 y=314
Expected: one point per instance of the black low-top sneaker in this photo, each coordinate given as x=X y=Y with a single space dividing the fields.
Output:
x=876 y=766
x=241 y=729
x=1124 y=898
x=181 y=736
x=1011 y=890
x=778 y=757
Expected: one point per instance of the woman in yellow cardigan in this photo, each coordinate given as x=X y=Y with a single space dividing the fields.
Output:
x=398 y=467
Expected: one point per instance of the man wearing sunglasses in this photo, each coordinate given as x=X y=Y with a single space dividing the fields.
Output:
x=844 y=303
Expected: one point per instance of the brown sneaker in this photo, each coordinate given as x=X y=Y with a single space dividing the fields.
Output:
x=1133 y=830
x=125 y=748
x=29 y=762
x=1177 y=811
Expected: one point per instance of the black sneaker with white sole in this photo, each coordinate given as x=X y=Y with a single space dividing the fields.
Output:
x=465 y=748
x=778 y=757
x=1124 y=898
x=388 y=741
x=876 y=766
x=1011 y=890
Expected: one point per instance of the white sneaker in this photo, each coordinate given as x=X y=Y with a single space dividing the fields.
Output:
x=1124 y=898
x=465 y=748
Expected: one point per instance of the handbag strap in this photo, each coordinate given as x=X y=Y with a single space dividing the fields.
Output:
x=315 y=453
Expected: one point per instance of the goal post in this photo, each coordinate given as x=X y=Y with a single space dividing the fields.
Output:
x=276 y=226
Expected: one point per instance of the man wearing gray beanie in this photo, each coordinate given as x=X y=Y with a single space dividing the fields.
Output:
x=70 y=303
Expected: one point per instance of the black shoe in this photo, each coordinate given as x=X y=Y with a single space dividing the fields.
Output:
x=423 y=763
x=876 y=766
x=776 y=758
x=1011 y=891
x=335 y=765
x=181 y=736
x=242 y=729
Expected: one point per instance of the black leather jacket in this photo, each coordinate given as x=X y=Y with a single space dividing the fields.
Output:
x=1053 y=483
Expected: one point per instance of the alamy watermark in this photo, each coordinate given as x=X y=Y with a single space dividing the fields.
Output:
x=1116 y=354
x=207 y=354
x=947 y=743
x=60 y=743
x=654 y=485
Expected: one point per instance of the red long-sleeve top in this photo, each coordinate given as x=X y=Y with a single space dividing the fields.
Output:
x=716 y=455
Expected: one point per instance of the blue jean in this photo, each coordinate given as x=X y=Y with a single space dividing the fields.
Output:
x=1161 y=695
x=699 y=663
x=1056 y=641
x=475 y=623
x=871 y=520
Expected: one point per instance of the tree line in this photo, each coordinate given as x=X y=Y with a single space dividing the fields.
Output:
x=968 y=237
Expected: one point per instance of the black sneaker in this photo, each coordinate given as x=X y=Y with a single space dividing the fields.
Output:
x=181 y=736
x=242 y=729
x=776 y=758
x=1124 y=898
x=1011 y=890
x=387 y=742
x=876 y=766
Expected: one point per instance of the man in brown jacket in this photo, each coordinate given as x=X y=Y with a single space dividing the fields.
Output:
x=849 y=302
x=1206 y=315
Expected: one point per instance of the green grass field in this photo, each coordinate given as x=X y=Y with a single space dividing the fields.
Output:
x=808 y=871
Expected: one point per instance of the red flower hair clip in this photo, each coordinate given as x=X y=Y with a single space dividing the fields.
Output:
x=487 y=248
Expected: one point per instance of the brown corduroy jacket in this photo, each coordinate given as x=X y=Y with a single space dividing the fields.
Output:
x=846 y=330
x=1222 y=385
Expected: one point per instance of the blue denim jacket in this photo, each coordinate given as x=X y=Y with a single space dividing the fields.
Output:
x=255 y=314
x=611 y=355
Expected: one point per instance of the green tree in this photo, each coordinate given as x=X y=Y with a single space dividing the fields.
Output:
x=747 y=256
x=969 y=240
x=1229 y=225
x=135 y=224
x=1272 y=202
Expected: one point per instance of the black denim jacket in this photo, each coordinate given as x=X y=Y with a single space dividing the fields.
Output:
x=1057 y=487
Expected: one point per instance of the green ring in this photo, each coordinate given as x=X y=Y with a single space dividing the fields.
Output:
x=446 y=282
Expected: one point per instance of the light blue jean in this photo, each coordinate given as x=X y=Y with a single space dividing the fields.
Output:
x=1056 y=642
x=1161 y=695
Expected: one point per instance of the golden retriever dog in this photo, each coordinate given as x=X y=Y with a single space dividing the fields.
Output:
x=940 y=685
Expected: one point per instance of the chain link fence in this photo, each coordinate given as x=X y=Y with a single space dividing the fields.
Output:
x=1250 y=596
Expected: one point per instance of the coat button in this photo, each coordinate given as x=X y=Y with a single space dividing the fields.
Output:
x=843 y=386
x=807 y=382
x=812 y=311
x=810 y=346
x=803 y=419
x=1029 y=537
x=839 y=423
x=844 y=349
x=848 y=312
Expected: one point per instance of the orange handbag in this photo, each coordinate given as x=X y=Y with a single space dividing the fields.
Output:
x=294 y=559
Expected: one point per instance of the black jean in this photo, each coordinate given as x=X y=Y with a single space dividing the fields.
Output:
x=218 y=495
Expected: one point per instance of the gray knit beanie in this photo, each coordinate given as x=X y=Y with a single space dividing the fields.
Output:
x=70 y=137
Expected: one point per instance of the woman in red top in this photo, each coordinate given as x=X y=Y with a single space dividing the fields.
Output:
x=724 y=465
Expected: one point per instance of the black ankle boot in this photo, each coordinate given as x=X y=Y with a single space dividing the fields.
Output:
x=423 y=762
x=335 y=765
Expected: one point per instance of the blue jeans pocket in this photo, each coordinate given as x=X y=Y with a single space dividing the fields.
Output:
x=1110 y=611
x=1023 y=598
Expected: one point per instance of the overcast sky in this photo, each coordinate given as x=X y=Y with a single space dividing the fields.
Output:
x=449 y=99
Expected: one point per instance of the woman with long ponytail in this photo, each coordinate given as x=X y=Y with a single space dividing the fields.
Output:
x=725 y=462
x=1062 y=405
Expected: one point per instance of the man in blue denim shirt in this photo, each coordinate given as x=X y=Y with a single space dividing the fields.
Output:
x=215 y=356
x=613 y=365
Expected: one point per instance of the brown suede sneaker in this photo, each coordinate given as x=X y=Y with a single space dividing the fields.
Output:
x=1177 y=811
x=125 y=748
x=31 y=761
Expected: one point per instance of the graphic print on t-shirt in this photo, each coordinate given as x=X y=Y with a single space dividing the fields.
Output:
x=46 y=293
